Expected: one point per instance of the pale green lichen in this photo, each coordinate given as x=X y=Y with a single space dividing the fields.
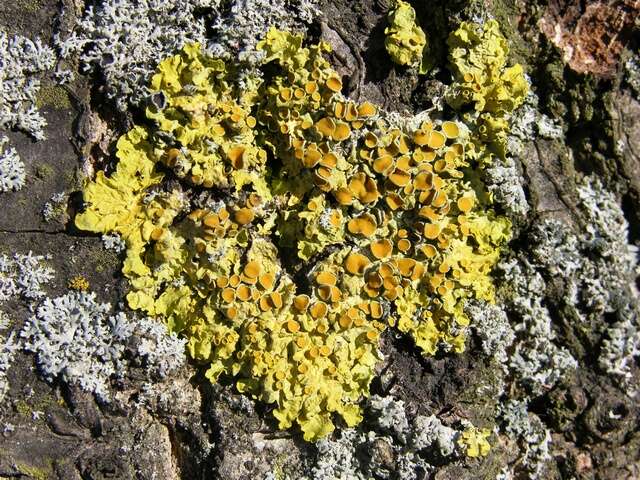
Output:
x=395 y=230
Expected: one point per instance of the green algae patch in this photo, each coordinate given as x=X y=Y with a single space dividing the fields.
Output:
x=386 y=214
x=53 y=96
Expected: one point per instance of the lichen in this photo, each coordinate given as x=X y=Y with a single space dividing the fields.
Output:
x=159 y=353
x=384 y=449
x=506 y=184
x=534 y=438
x=5 y=321
x=478 y=61
x=34 y=472
x=124 y=40
x=12 y=172
x=536 y=360
x=382 y=209
x=56 y=208
x=632 y=75
x=76 y=339
x=474 y=441
x=73 y=337
x=404 y=40
x=621 y=347
x=79 y=283
x=112 y=241
x=478 y=58
x=390 y=415
x=23 y=62
x=237 y=31
x=337 y=459
x=8 y=349
x=491 y=324
x=430 y=433
x=23 y=275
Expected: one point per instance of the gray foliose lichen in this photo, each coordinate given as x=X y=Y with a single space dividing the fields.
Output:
x=22 y=63
x=77 y=339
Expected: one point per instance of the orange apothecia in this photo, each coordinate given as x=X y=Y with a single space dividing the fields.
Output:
x=305 y=225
